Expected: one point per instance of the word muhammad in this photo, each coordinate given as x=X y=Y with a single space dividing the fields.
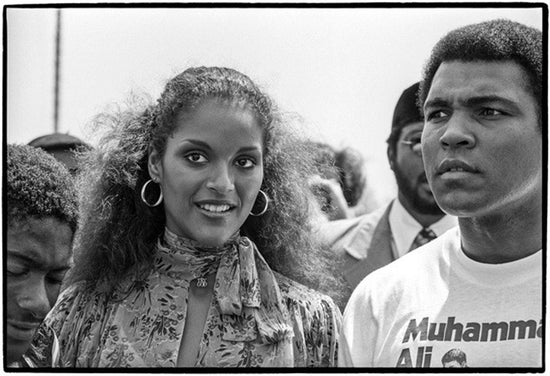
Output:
x=453 y=331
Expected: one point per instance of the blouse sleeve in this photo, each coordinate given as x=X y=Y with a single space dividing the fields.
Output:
x=70 y=332
x=317 y=323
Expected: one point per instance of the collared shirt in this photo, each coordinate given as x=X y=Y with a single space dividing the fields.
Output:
x=404 y=228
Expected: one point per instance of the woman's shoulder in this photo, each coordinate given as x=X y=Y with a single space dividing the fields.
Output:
x=317 y=323
x=81 y=291
x=308 y=303
x=300 y=294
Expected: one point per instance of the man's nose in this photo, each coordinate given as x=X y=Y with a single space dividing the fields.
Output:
x=457 y=133
x=34 y=298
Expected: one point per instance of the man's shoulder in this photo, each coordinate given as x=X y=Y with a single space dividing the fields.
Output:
x=369 y=221
x=412 y=269
x=339 y=234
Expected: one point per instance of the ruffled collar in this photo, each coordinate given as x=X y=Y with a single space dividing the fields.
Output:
x=182 y=257
x=246 y=290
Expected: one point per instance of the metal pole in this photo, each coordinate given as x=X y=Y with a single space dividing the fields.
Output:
x=57 y=71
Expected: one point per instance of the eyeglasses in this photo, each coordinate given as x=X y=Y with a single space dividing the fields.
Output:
x=414 y=144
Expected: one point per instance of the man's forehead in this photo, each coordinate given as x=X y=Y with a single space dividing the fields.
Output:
x=477 y=78
x=50 y=247
x=33 y=255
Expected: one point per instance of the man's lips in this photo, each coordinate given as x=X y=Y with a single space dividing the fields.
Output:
x=22 y=330
x=454 y=166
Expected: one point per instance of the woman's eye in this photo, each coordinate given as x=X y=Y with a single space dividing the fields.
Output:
x=196 y=158
x=246 y=163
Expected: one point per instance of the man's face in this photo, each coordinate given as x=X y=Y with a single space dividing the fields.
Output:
x=38 y=256
x=482 y=146
x=454 y=364
x=414 y=192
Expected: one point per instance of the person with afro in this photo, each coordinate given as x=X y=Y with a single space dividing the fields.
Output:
x=41 y=221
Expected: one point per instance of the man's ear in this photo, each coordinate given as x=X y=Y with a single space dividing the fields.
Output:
x=391 y=156
x=154 y=165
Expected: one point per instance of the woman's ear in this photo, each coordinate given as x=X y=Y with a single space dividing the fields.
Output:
x=154 y=165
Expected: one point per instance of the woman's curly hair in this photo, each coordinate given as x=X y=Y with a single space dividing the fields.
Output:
x=119 y=231
x=38 y=186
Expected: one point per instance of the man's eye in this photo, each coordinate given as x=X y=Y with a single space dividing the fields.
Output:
x=196 y=158
x=55 y=279
x=246 y=163
x=491 y=112
x=16 y=272
x=434 y=115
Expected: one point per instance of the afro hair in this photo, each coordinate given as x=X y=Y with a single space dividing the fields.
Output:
x=38 y=186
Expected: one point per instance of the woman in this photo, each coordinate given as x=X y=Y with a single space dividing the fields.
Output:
x=188 y=207
x=41 y=216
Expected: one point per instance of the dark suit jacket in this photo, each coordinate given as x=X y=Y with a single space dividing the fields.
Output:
x=363 y=243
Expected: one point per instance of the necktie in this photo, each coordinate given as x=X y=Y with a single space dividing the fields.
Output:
x=424 y=236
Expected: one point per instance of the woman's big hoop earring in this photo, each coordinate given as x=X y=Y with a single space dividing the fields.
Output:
x=143 y=195
x=265 y=207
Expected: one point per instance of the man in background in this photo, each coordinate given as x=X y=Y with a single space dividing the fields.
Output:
x=41 y=219
x=373 y=240
x=63 y=147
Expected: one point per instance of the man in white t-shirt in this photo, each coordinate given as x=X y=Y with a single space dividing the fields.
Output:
x=473 y=296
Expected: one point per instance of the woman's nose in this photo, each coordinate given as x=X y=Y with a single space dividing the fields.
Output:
x=221 y=180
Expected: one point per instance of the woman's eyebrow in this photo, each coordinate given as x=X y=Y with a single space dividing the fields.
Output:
x=199 y=143
x=249 y=149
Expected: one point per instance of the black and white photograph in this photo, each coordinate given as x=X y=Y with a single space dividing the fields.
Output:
x=338 y=187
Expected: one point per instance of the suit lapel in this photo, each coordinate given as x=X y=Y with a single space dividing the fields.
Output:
x=379 y=253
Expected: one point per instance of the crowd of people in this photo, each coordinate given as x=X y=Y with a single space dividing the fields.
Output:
x=204 y=230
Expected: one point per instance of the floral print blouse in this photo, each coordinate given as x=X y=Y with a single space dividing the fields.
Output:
x=143 y=327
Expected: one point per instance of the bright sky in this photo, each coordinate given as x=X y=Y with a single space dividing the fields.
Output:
x=341 y=70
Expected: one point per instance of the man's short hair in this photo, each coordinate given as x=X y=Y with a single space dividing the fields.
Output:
x=38 y=186
x=454 y=355
x=496 y=41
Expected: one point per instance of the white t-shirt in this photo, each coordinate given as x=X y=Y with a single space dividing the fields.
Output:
x=436 y=305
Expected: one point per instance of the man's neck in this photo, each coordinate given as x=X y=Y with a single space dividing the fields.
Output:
x=502 y=238
x=425 y=220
